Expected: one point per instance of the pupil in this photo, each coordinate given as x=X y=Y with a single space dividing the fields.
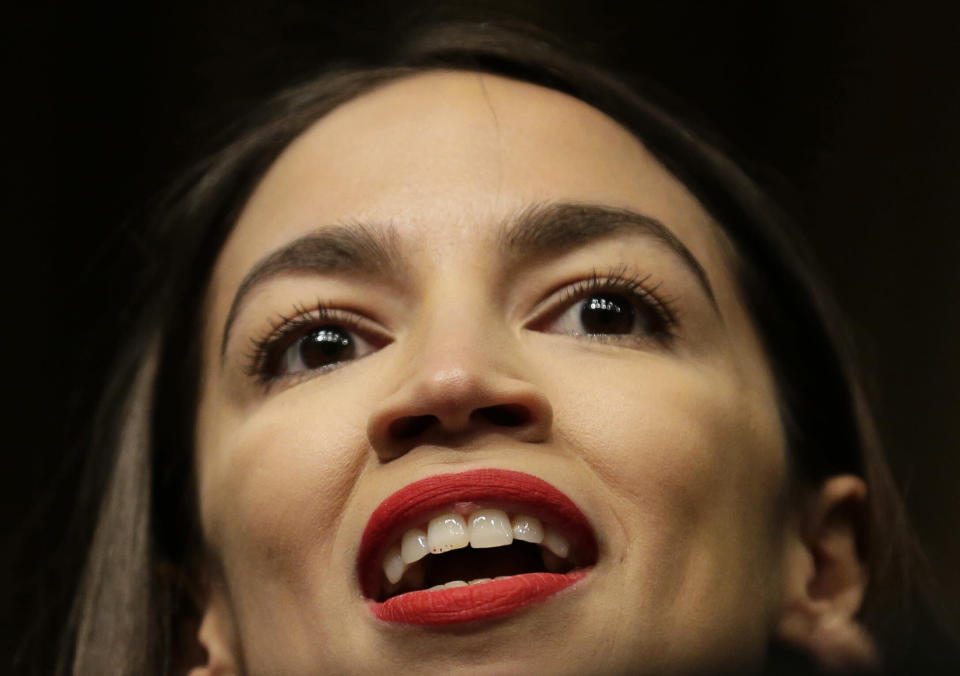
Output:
x=607 y=314
x=322 y=347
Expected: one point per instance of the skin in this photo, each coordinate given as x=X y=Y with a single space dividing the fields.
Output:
x=674 y=452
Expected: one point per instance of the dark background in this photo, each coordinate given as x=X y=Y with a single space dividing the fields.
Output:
x=853 y=108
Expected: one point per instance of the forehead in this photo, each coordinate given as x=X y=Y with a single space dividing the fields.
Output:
x=444 y=157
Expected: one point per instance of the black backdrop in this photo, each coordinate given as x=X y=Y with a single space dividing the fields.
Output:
x=853 y=107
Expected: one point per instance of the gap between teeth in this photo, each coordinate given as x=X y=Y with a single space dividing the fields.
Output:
x=484 y=528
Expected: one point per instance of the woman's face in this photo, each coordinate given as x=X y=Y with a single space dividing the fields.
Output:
x=461 y=272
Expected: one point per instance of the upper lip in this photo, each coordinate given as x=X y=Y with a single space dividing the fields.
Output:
x=502 y=488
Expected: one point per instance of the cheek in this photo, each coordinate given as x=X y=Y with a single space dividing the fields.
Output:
x=673 y=432
x=693 y=459
x=274 y=484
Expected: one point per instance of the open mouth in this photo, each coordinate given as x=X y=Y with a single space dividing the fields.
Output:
x=475 y=545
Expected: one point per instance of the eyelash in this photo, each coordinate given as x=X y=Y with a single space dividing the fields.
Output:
x=625 y=281
x=267 y=350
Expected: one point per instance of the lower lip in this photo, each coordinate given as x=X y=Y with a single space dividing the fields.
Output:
x=483 y=601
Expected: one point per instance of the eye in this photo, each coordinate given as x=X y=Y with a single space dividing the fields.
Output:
x=615 y=308
x=323 y=347
x=317 y=340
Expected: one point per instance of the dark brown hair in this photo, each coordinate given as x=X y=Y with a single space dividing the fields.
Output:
x=135 y=593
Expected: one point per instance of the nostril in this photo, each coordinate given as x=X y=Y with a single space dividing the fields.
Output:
x=505 y=415
x=411 y=426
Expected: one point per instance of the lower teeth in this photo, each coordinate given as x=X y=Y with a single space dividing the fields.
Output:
x=459 y=583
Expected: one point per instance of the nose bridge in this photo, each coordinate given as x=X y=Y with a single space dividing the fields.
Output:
x=459 y=350
x=460 y=337
x=461 y=375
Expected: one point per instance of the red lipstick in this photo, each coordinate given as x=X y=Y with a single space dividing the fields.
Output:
x=508 y=489
x=476 y=602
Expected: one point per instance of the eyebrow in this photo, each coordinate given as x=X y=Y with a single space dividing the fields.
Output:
x=551 y=229
x=539 y=231
x=354 y=248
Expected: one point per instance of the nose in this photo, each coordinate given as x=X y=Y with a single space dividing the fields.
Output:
x=455 y=392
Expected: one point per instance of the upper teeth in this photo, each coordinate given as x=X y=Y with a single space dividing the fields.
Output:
x=447 y=532
x=414 y=545
x=484 y=528
x=490 y=528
